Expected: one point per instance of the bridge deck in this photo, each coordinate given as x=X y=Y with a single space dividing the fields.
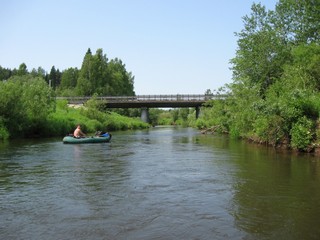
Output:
x=148 y=101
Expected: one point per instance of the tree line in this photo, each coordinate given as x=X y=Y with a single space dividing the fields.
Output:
x=97 y=75
x=28 y=106
x=275 y=94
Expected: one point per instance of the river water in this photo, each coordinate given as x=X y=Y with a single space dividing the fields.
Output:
x=162 y=183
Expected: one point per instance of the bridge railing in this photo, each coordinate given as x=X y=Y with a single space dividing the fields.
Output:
x=149 y=98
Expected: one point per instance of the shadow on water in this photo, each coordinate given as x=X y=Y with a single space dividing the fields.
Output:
x=275 y=196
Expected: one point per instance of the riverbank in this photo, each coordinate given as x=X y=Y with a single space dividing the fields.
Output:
x=313 y=148
x=64 y=119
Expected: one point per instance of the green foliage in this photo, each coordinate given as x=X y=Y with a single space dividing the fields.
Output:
x=54 y=77
x=154 y=115
x=25 y=103
x=261 y=53
x=69 y=78
x=11 y=106
x=275 y=97
x=40 y=72
x=28 y=108
x=183 y=114
x=302 y=133
x=270 y=129
x=201 y=123
x=92 y=109
x=64 y=120
x=4 y=134
x=63 y=105
x=93 y=125
x=38 y=99
x=115 y=121
x=22 y=70
x=5 y=73
x=59 y=124
x=103 y=77
x=164 y=118
x=298 y=21
x=306 y=60
x=121 y=82
x=218 y=109
x=97 y=75
x=234 y=132
x=175 y=115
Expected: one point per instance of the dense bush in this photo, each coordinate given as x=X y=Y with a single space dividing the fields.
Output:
x=25 y=103
x=302 y=133
x=274 y=97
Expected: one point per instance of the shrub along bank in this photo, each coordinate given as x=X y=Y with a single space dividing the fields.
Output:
x=275 y=94
x=28 y=109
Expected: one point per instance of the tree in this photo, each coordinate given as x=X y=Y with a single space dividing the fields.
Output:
x=121 y=82
x=54 y=78
x=40 y=72
x=69 y=78
x=37 y=98
x=208 y=92
x=22 y=69
x=84 y=86
x=11 y=107
x=99 y=72
x=274 y=96
x=99 y=76
x=298 y=21
x=5 y=73
x=265 y=44
x=307 y=57
x=261 y=54
x=25 y=103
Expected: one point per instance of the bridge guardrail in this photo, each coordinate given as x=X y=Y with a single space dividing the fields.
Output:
x=169 y=97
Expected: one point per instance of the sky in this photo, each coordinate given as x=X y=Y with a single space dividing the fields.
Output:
x=169 y=46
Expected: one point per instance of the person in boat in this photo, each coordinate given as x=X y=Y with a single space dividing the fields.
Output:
x=78 y=133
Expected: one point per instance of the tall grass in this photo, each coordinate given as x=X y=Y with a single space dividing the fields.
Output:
x=64 y=120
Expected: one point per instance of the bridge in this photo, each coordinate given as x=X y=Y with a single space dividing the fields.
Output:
x=150 y=101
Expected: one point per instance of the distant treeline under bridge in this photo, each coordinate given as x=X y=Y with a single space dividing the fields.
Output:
x=150 y=101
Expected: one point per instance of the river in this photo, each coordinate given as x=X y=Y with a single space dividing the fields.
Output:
x=162 y=183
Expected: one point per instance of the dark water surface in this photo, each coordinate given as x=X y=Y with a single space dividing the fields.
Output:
x=164 y=183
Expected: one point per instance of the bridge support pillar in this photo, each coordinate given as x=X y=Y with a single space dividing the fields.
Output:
x=145 y=114
x=197 y=112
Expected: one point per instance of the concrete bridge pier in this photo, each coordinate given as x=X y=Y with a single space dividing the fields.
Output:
x=145 y=114
x=197 y=112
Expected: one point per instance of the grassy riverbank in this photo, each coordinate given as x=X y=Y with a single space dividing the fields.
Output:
x=65 y=118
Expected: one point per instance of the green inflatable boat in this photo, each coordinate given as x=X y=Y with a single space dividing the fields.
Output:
x=96 y=139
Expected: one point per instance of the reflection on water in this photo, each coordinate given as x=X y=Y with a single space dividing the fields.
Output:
x=164 y=183
x=278 y=197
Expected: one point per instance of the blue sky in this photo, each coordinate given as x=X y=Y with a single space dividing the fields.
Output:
x=170 y=46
